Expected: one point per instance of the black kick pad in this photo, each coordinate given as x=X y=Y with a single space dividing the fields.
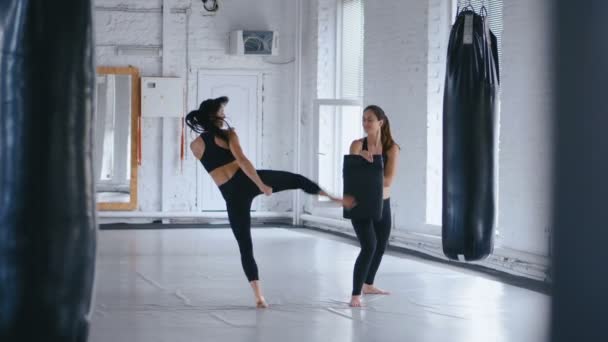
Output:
x=364 y=181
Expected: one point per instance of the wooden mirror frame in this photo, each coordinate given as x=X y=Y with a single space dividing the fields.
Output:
x=135 y=120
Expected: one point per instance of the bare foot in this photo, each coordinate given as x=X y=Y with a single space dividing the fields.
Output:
x=355 y=301
x=371 y=289
x=261 y=303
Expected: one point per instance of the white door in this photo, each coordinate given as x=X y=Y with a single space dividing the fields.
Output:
x=244 y=92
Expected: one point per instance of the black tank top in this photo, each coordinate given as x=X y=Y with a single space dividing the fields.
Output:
x=214 y=156
x=384 y=155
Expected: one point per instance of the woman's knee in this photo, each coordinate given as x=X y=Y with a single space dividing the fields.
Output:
x=368 y=248
x=380 y=248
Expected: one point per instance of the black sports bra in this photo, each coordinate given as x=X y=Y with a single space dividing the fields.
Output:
x=384 y=155
x=214 y=156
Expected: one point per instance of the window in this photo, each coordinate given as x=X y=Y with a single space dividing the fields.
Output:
x=339 y=118
x=350 y=49
x=339 y=124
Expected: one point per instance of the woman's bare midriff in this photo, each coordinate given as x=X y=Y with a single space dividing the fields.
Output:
x=224 y=173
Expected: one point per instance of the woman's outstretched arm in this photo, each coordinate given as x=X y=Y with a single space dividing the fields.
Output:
x=245 y=164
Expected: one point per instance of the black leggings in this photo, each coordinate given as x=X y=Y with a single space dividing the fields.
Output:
x=373 y=237
x=240 y=191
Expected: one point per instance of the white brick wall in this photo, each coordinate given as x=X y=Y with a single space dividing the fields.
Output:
x=310 y=54
x=396 y=47
x=526 y=123
x=142 y=23
x=439 y=25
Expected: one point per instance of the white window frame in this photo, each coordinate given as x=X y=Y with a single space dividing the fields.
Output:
x=318 y=103
x=328 y=208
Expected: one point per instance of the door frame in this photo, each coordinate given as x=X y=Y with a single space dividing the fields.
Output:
x=259 y=74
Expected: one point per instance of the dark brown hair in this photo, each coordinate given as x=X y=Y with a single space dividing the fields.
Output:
x=205 y=117
x=385 y=129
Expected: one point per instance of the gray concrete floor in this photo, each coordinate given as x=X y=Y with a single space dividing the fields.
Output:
x=188 y=285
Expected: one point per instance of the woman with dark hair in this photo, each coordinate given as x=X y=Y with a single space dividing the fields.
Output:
x=373 y=235
x=220 y=152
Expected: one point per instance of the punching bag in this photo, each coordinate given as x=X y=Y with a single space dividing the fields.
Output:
x=47 y=205
x=365 y=182
x=470 y=116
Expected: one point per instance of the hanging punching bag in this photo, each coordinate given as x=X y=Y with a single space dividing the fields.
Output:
x=365 y=182
x=470 y=139
x=47 y=207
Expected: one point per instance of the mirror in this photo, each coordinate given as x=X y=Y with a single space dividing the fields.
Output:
x=116 y=137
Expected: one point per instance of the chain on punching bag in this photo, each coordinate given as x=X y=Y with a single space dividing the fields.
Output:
x=470 y=116
x=47 y=208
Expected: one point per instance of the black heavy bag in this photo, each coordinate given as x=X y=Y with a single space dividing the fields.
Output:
x=364 y=181
x=47 y=207
x=470 y=139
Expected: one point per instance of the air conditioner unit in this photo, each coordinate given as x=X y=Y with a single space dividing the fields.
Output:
x=264 y=43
